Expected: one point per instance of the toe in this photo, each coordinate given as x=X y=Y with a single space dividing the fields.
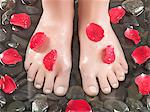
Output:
x=39 y=79
x=104 y=85
x=124 y=64
x=32 y=72
x=27 y=64
x=113 y=79
x=62 y=83
x=119 y=72
x=49 y=82
x=90 y=84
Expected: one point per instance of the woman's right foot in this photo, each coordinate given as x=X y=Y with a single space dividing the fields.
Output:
x=93 y=14
x=57 y=24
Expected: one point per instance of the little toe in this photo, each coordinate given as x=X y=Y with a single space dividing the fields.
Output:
x=62 y=83
x=39 y=79
x=113 y=79
x=119 y=72
x=32 y=72
x=90 y=84
x=104 y=85
x=49 y=82
x=124 y=64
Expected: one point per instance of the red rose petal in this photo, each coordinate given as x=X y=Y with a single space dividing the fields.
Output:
x=143 y=82
x=108 y=55
x=1 y=83
x=141 y=54
x=10 y=56
x=37 y=41
x=94 y=32
x=49 y=60
x=78 y=106
x=116 y=14
x=9 y=85
x=21 y=19
x=133 y=35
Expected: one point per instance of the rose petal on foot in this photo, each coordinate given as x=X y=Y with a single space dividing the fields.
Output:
x=116 y=14
x=143 y=82
x=10 y=56
x=49 y=60
x=9 y=85
x=141 y=54
x=109 y=55
x=78 y=106
x=133 y=35
x=94 y=32
x=21 y=19
x=38 y=40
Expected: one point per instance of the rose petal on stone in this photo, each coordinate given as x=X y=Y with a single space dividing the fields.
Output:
x=133 y=35
x=21 y=19
x=109 y=55
x=9 y=85
x=143 y=82
x=78 y=106
x=50 y=59
x=141 y=54
x=1 y=83
x=94 y=32
x=116 y=14
x=10 y=56
x=38 y=40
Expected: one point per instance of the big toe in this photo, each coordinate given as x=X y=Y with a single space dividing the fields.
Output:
x=62 y=83
x=90 y=84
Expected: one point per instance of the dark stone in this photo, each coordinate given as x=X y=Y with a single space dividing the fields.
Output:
x=3 y=36
x=21 y=42
x=7 y=4
x=117 y=94
x=54 y=108
x=6 y=17
x=63 y=103
x=135 y=7
x=134 y=104
x=96 y=104
x=2 y=48
x=75 y=92
x=16 y=106
x=100 y=110
x=89 y=99
x=41 y=97
x=2 y=99
x=53 y=97
x=147 y=65
x=39 y=105
x=29 y=2
x=10 y=44
x=115 y=105
x=148 y=102
x=20 y=75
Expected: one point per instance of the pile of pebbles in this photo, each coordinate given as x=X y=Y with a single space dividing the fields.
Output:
x=27 y=98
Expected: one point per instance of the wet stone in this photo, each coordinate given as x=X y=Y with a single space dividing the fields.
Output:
x=89 y=99
x=97 y=103
x=29 y=2
x=147 y=65
x=52 y=97
x=100 y=110
x=10 y=44
x=117 y=94
x=6 y=17
x=7 y=4
x=39 y=106
x=75 y=92
x=16 y=106
x=23 y=74
x=115 y=105
x=16 y=39
x=3 y=36
x=21 y=83
x=54 y=108
x=21 y=96
x=2 y=48
x=134 y=104
x=2 y=99
x=63 y=103
x=148 y=102
x=135 y=7
x=41 y=97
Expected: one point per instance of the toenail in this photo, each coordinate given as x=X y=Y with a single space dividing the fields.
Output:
x=30 y=79
x=93 y=89
x=115 y=85
x=106 y=90
x=47 y=91
x=122 y=78
x=38 y=85
x=60 y=90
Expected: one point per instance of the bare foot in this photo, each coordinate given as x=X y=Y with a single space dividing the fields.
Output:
x=92 y=66
x=57 y=24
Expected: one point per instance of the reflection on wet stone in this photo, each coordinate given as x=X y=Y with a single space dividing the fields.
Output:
x=16 y=106
x=135 y=7
x=7 y=4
